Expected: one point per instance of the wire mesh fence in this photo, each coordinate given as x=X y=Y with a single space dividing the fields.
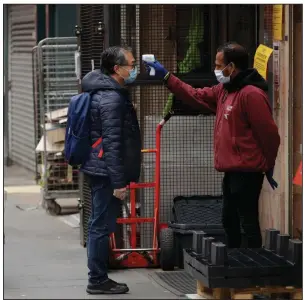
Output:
x=92 y=36
x=268 y=25
x=181 y=45
x=55 y=83
x=184 y=38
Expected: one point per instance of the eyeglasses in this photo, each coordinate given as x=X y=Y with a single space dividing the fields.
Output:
x=133 y=65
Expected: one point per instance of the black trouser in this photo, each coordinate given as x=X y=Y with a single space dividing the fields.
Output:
x=241 y=192
x=105 y=209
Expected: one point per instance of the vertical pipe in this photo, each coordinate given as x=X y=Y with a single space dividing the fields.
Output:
x=47 y=12
x=42 y=112
x=260 y=27
x=290 y=121
x=284 y=118
x=7 y=161
x=107 y=25
x=113 y=242
x=226 y=24
x=213 y=22
x=157 y=183
x=133 y=215
x=35 y=108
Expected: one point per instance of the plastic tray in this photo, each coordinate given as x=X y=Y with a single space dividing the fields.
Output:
x=197 y=210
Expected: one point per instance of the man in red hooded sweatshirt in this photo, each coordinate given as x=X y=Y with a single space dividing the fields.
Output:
x=246 y=138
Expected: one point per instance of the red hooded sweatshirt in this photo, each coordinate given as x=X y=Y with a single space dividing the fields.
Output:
x=245 y=135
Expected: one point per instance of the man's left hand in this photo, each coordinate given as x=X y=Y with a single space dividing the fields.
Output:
x=120 y=193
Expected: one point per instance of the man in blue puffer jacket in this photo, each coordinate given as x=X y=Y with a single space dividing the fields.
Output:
x=115 y=158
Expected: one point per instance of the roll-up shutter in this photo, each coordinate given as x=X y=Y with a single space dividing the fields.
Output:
x=22 y=39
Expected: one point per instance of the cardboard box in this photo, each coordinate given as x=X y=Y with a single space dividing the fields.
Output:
x=52 y=148
x=50 y=126
x=63 y=121
x=58 y=114
x=55 y=140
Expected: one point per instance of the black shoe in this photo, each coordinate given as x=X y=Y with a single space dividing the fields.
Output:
x=118 y=283
x=107 y=287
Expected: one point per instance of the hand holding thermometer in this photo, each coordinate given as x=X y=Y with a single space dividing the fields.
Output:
x=149 y=58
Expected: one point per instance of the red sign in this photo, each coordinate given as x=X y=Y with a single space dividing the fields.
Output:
x=299 y=175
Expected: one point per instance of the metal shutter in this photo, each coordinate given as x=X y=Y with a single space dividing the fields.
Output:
x=22 y=38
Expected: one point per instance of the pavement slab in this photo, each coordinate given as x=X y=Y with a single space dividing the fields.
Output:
x=43 y=258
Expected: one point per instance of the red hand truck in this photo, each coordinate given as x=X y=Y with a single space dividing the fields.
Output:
x=135 y=257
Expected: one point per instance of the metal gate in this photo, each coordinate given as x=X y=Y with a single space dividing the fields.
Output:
x=22 y=38
x=55 y=82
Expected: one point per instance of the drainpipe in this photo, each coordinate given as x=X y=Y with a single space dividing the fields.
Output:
x=290 y=120
x=7 y=160
x=47 y=14
x=286 y=94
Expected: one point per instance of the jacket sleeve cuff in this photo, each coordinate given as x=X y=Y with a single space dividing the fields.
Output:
x=171 y=81
x=166 y=77
x=118 y=185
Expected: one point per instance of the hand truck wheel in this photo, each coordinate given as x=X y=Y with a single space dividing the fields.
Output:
x=167 y=252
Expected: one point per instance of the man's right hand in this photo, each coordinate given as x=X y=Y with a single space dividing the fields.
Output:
x=160 y=70
x=120 y=193
x=270 y=179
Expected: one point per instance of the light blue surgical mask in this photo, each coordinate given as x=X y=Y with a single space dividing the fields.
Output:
x=220 y=77
x=132 y=75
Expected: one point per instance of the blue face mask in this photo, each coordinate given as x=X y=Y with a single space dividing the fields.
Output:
x=132 y=76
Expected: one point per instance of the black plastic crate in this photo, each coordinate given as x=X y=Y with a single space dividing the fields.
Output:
x=183 y=237
x=195 y=213
x=189 y=214
x=278 y=263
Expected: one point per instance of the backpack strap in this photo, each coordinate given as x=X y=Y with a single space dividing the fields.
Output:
x=97 y=143
x=100 y=154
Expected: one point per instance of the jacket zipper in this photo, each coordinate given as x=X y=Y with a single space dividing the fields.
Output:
x=224 y=97
x=218 y=122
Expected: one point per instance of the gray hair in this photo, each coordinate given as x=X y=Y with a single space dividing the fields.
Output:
x=113 y=56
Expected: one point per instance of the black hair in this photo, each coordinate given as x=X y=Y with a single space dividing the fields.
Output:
x=235 y=53
x=113 y=56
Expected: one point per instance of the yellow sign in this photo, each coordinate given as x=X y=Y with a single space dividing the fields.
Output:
x=261 y=58
x=277 y=22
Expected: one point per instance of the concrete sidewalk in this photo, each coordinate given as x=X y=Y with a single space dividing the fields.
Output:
x=43 y=257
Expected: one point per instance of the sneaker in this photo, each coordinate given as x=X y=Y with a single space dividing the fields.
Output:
x=107 y=287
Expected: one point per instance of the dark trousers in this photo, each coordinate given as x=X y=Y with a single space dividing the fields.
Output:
x=241 y=193
x=104 y=211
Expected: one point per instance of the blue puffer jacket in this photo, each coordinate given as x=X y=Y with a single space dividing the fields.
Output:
x=114 y=119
